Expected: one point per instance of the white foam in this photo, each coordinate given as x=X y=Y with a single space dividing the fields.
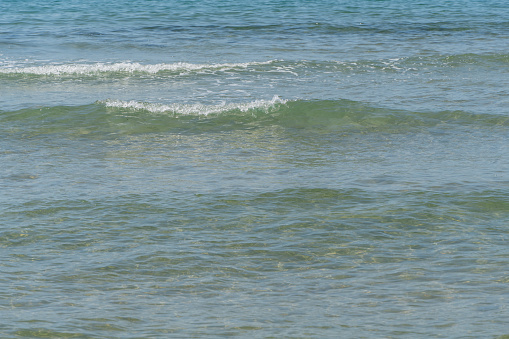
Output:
x=194 y=109
x=123 y=67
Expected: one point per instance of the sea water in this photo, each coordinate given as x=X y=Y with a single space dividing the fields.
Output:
x=255 y=169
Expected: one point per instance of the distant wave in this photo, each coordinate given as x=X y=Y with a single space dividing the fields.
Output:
x=295 y=68
x=327 y=28
x=123 y=67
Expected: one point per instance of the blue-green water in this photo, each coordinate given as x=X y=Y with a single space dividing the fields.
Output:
x=288 y=169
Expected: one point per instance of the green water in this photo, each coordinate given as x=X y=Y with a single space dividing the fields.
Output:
x=302 y=219
x=256 y=170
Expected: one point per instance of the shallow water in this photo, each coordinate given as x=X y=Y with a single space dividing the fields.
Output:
x=261 y=169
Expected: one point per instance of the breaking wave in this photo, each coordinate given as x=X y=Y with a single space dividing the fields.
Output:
x=123 y=68
x=194 y=109
x=296 y=67
x=108 y=118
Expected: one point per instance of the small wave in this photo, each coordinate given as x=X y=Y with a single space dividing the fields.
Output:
x=313 y=115
x=111 y=118
x=194 y=109
x=124 y=67
x=296 y=68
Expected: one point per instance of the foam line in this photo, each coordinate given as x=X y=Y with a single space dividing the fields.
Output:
x=124 y=67
x=189 y=109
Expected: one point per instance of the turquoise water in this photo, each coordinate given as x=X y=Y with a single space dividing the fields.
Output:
x=288 y=169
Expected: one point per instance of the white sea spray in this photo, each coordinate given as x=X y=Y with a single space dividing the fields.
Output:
x=124 y=67
x=190 y=109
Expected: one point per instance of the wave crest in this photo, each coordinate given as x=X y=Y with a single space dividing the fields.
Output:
x=195 y=109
